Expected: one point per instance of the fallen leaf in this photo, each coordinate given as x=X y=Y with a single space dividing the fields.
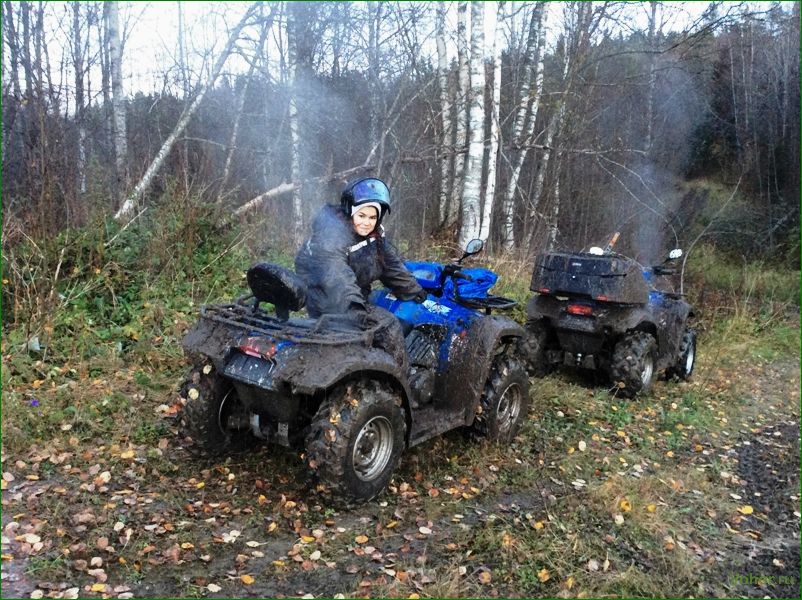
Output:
x=214 y=588
x=485 y=577
x=361 y=539
x=746 y=510
x=625 y=505
x=651 y=508
x=543 y=575
x=247 y=579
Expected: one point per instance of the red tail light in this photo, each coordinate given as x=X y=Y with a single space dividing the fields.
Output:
x=581 y=310
x=258 y=347
x=544 y=290
x=602 y=298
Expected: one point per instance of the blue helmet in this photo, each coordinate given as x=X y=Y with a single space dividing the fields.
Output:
x=366 y=191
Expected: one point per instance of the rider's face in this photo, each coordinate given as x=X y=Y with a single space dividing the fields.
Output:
x=365 y=220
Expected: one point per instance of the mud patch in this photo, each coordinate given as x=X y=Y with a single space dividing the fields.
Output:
x=768 y=466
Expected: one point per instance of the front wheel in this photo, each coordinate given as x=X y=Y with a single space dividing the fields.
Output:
x=633 y=364
x=213 y=420
x=686 y=360
x=356 y=439
x=533 y=348
x=505 y=402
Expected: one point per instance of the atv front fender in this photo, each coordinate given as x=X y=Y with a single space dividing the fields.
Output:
x=469 y=361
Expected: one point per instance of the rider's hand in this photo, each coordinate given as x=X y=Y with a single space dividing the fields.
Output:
x=421 y=296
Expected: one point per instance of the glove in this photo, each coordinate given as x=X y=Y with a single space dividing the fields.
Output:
x=421 y=296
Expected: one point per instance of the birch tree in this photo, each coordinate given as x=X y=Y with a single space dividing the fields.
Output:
x=582 y=22
x=446 y=144
x=490 y=189
x=112 y=17
x=131 y=201
x=525 y=117
x=473 y=169
x=295 y=140
x=461 y=114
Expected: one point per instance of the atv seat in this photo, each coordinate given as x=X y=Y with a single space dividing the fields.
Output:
x=278 y=286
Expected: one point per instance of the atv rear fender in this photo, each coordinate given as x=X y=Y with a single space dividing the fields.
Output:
x=469 y=362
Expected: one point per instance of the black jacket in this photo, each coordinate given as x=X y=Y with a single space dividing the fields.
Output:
x=339 y=266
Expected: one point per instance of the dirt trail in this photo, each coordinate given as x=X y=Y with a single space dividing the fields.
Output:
x=154 y=532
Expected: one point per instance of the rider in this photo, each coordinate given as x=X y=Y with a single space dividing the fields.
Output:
x=347 y=252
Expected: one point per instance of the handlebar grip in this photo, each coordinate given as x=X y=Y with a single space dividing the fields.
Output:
x=458 y=275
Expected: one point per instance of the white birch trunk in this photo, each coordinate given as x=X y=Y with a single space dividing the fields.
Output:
x=118 y=102
x=527 y=114
x=473 y=168
x=490 y=190
x=130 y=203
x=461 y=115
x=295 y=158
x=445 y=113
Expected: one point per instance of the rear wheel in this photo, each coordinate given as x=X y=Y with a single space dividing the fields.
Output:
x=686 y=360
x=213 y=420
x=633 y=364
x=356 y=439
x=505 y=402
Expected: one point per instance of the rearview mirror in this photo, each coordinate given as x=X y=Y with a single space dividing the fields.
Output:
x=474 y=246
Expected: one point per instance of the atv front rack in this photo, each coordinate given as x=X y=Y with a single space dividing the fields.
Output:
x=328 y=330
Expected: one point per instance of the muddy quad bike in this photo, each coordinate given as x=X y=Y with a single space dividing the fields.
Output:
x=601 y=310
x=323 y=386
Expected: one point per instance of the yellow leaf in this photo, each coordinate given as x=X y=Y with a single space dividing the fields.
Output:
x=307 y=539
x=361 y=539
x=571 y=450
x=670 y=454
x=247 y=579
x=651 y=508
x=569 y=583
x=539 y=525
x=746 y=510
x=543 y=575
x=187 y=546
x=128 y=454
x=485 y=577
x=272 y=527
x=278 y=563
x=391 y=524
x=625 y=505
x=261 y=499
x=200 y=485
x=98 y=587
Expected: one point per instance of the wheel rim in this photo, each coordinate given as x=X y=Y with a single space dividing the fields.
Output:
x=509 y=407
x=648 y=370
x=230 y=406
x=690 y=358
x=373 y=448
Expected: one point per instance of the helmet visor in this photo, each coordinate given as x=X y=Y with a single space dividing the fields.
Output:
x=371 y=189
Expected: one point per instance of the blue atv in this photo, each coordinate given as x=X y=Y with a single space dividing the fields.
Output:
x=606 y=312
x=323 y=386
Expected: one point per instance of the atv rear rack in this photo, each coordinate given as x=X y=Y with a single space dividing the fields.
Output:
x=327 y=330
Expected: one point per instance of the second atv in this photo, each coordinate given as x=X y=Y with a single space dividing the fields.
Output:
x=602 y=310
